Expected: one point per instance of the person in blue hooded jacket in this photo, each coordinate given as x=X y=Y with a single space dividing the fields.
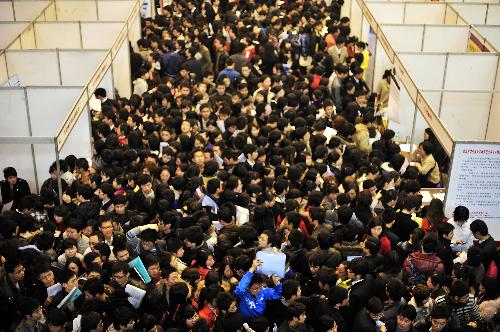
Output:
x=253 y=295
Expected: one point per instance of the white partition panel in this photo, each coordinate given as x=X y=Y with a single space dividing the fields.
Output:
x=52 y=103
x=407 y=109
x=13 y=110
x=472 y=13
x=28 y=10
x=78 y=65
x=50 y=13
x=34 y=67
x=20 y=157
x=387 y=12
x=9 y=31
x=446 y=38
x=6 y=12
x=134 y=31
x=107 y=83
x=493 y=134
x=491 y=33
x=420 y=126
x=427 y=70
x=425 y=13
x=28 y=38
x=470 y=109
x=434 y=99
x=78 y=142
x=16 y=45
x=493 y=16
x=356 y=19
x=121 y=70
x=451 y=16
x=68 y=35
x=382 y=63
x=3 y=69
x=114 y=10
x=404 y=38
x=76 y=10
x=93 y=35
x=471 y=71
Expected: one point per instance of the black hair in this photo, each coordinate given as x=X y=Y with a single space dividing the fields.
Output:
x=479 y=226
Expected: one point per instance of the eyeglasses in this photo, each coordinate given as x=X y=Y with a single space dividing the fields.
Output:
x=118 y=276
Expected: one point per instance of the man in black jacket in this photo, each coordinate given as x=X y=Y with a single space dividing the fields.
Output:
x=13 y=189
x=362 y=286
x=486 y=242
x=11 y=287
x=366 y=320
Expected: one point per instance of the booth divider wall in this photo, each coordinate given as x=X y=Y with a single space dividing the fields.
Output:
x=26 y=10
x=32 y=142
x=52 y=67
x=452 y=88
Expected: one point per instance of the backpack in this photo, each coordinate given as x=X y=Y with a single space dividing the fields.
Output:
x=415 y=277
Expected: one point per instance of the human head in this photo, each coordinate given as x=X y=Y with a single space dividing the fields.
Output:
x=10 y=174
x=375 y=308
x=461 y=214
x=30 y=308
x=479 y=229
x=459 y=292
x=405 y=317
x=120 y=273
x=439 y=317
x=15 y=270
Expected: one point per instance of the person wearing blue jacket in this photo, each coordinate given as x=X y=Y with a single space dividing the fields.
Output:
x=253 y=295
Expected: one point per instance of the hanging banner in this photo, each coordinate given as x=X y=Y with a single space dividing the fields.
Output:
x=475 y=183
x=393 y=104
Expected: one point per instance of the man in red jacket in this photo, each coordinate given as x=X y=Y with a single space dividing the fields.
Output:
x=420 y=265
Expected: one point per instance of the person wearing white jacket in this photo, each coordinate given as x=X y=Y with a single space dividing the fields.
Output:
x=140 y=84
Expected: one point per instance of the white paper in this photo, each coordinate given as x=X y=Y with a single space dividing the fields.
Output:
x=462 y=258
x=242 y=215
x=77 y=323
x=439 y=196
x=329 y=133
x=271 y=263
x=7 y=206
x=406 y=147
x=136 y=295
x=217 y=224
x=31 y=246
x=54 y=289
x=426 y=196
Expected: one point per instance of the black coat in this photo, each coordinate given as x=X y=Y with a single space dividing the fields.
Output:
x=364 y=323
x=16 y=193
x=403 y=226
x=359 y=294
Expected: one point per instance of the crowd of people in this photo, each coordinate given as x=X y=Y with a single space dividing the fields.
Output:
x=250 y=131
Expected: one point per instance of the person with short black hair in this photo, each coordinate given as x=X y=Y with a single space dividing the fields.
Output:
x=32 y=315
x=462 y=304
x=463 y=238
x=13 y=188
x=421 y=264
x=486 y=243
x=428 y=168
x=296 y=317
x=404 y=320
x=367 y=319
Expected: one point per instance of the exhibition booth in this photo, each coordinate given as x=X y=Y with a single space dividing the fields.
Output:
x=446 y=77
x=58 y=65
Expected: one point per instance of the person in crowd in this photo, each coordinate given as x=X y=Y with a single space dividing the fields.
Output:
x=13 y=188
